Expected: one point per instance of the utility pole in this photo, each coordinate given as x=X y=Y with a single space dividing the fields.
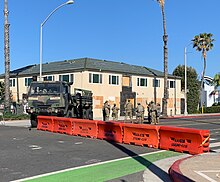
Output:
x=7 y=57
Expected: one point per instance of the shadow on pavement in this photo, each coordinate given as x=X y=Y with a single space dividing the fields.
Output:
x=153 y=168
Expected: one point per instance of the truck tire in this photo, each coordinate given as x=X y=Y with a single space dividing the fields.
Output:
x=33 y=119
x=33 y=123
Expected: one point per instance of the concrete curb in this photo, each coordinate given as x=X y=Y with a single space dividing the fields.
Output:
x=191 y=116
x=175 y=172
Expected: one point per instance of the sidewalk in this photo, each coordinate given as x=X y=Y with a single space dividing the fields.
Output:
x=19 y=123
x=202 y=168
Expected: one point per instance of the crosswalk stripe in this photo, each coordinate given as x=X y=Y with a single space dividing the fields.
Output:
x=216 y=144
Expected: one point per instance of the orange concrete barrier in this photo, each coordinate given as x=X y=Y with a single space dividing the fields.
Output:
x=111 y=131
x=143 y=135
x=63 y=125
x=45 y=123
x=185 y=140
x=85 y=128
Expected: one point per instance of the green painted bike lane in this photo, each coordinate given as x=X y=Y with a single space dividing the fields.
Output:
x=104 y=171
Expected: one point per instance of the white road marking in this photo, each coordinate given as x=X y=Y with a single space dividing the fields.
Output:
x=217 y=144
x=201 y=173
x=60 y=141
x=85 y=166
x=35 y=147
x=78 y=143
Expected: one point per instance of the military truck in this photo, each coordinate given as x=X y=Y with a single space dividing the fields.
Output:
x=53 y=98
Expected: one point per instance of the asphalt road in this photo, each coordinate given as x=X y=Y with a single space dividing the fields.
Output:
x=26 y=153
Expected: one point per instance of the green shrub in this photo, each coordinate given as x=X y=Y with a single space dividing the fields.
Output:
x=10 y=116
x=212 y=109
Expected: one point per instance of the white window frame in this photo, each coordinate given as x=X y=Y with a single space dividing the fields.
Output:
x=70 y=77
x=139 y=82
x=156 y=83
x=27 y=81
x=169 y=84
x=12 y=82
x=46 y=78
x=111 y=79
x=91 y=78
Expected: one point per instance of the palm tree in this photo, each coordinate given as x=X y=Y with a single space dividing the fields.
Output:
x=203 y=42
x=7 y=57
x=165 y=39
x=216 y=80
x=216 y=83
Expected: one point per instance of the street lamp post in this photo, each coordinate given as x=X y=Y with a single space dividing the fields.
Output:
x=41 y=32
x=185 y=111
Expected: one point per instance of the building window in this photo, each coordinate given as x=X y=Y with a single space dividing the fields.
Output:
x=95 y=78
x=66 y=78
x=142 y=82
x=171 y=84
x=48 y=78
x=113 y=80
x=28 y=81
x=12 y=82
x=156 y=83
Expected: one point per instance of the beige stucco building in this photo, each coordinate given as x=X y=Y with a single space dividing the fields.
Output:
x=113 y=81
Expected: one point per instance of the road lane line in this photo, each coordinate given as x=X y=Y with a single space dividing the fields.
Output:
x=86 y=166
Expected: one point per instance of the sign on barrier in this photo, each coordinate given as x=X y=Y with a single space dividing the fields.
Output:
x=63 y=125
x=144 y=135
x=109 y=131
x=187 y=140
x=85 y=128
x=45 y=123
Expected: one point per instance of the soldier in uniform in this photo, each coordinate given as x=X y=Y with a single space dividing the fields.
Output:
x=158 y=109
x=153 y=111
x=115 y=110
x=106 y=111
x=128 y=110
x=140 y=113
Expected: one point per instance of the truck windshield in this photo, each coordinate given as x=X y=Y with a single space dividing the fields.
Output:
x=45 y=89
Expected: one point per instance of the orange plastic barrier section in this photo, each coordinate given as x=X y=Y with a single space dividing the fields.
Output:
x=187 y=140
x=63 y=125
x=144 y=135
x=110 y=131
x=45 y=123
x=85 y=128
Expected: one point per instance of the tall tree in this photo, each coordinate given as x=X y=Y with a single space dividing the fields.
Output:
x=216 y=83
x=7 y=57
x=216 y=80
x=165 y=60
x=203 y=42
x=192 y=85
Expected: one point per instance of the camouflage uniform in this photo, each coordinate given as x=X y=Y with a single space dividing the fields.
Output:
x=128 y=110
x=153 y=113
x=106 y=111
x=140 y=113
x=115 y=110
x=158 y=109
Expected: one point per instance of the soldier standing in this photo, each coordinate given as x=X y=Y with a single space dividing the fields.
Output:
x=128 y=110
x=153 y=111
x=106 y=111
x=115 y=110
x=158 y=109
x=140 y=113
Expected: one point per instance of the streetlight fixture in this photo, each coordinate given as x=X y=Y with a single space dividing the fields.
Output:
x=186 y=90
x=185 y=111
x=41 y=32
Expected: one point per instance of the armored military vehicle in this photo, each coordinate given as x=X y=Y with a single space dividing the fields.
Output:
x=53 y=98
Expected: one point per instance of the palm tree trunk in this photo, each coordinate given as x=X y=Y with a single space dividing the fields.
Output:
x=165 y=39
x=203 y=75
x=7 y=58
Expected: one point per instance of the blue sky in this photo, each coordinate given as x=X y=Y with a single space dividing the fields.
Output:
x=117 y=30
